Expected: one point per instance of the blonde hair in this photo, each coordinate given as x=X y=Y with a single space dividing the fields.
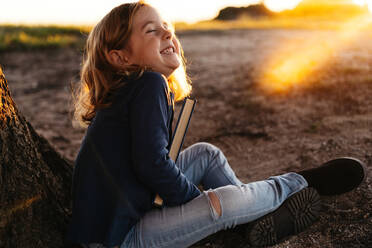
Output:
x=99 y=79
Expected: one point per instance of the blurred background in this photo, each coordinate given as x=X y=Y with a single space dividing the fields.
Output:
x=73 y=17
x=281 y=85
x=90 y=12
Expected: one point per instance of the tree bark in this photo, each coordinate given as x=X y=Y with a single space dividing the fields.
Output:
x=35 y=182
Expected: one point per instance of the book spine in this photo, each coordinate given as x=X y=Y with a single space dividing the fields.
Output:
x=187 y=126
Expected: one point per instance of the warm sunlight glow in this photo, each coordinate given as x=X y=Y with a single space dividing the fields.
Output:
x=359 y=2
x=6 y=103
x=279 y=5
x=18 y=207
x=363 y=3
x=88 y=12
x=295 y=63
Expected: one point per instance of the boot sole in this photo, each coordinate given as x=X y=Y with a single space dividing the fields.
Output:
x=304 y=208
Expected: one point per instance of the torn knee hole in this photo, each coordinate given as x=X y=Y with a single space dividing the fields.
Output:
x=215 y=201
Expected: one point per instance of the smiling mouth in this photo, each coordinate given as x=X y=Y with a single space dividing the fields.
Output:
x=168 y=50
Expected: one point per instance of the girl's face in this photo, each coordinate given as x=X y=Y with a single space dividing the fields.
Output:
x=152 y=43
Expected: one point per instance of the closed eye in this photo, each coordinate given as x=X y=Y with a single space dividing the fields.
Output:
x=150 y=31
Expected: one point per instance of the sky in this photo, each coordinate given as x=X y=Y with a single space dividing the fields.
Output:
x=88 y=12
x=91 y=11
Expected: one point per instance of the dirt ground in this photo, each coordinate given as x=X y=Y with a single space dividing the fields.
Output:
x=260 y=133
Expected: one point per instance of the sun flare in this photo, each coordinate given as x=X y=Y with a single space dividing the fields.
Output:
x=278 y=6
x=296 y=63
x=359 y=2
x=364 y=3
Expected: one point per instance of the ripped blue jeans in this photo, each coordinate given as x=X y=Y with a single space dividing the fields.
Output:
x=183 y=225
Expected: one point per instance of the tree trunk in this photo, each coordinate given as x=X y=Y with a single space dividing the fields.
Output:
x=35 y=182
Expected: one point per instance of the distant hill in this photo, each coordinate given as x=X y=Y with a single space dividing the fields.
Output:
x=307 y=8
x=253 y=11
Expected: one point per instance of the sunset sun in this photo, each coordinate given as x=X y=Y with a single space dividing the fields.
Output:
x=364 y=3
x=278 y=6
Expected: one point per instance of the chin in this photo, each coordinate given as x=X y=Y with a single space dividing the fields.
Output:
x=175 y=63
x=170 y=71
x=175 y=67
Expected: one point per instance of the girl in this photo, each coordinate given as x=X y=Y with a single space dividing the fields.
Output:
x=133 y=70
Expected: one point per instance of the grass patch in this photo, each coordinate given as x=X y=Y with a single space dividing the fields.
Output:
x=14 y=37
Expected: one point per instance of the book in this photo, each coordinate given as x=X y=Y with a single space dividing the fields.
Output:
x=179 y=134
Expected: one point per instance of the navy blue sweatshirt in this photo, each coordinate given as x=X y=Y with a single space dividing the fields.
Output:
x=123 y=162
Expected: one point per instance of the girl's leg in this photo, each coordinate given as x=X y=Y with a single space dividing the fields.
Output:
x=205 y=164
x=184 y=225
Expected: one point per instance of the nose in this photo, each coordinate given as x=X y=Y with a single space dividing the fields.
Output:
x=168 y=34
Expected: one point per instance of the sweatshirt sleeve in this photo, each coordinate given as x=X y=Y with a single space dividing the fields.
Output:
x=150 y=138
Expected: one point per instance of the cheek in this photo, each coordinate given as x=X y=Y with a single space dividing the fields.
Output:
x=150 y=48
x=136 y=53
x=176 y=46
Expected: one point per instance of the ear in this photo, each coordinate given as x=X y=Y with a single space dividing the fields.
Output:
x=118 y=58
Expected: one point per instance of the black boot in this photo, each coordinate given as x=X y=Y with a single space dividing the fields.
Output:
x=336 y=176
x=297 y=213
